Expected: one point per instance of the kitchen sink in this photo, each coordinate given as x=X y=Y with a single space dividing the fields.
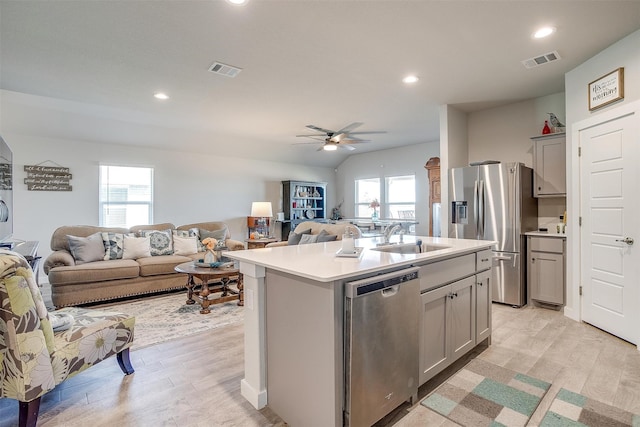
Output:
x=410 y=248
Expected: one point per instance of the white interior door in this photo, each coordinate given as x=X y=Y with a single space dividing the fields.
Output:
x=609 y=210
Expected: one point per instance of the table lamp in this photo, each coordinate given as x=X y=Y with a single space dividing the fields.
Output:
x=262 y=213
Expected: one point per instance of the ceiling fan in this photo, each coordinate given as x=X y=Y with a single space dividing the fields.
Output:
x=334 y=139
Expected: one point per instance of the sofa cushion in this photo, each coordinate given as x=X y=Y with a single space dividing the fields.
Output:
x=185 y=245
x=86 y=249
x=59 y=241
x=161 y=242
x=214 y=234
x=294 y=238
x=95 y=272
x=136 y=247
x=154 y=266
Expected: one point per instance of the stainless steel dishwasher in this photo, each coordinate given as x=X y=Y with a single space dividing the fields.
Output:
x=381 y=345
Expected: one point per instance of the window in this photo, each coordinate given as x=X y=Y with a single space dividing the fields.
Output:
x=366 y=191
x=126 y=196
x=401 y=196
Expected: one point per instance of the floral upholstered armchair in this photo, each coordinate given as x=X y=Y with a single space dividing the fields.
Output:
x=34 y=358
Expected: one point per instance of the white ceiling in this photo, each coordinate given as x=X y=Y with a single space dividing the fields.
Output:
x=321 y=62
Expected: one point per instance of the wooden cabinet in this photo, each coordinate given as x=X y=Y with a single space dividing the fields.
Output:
x=433 y=172
x=302 y=201
x=546 y=269
x=549 y=165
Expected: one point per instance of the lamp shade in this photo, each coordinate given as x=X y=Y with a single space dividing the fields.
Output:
x=261 y=209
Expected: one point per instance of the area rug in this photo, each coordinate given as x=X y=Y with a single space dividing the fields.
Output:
x=167 y=317
x=484 y=394
x=572 y=409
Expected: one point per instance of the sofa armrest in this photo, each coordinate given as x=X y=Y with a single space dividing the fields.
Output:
x=234 y=245
x=58 y=259
x=276 y=244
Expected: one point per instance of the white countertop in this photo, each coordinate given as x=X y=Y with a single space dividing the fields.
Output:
x=319 y=261
x=545 y=234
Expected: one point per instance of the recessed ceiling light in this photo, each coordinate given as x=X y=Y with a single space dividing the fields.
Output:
x=330 y=147
x=161 y=95
x=544 y=32
x=410 y=79
x=237 y=2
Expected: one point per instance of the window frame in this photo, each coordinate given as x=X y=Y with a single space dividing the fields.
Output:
x=104 y=205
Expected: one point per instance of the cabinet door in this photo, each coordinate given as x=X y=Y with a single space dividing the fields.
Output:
x=434 y=332
x=546 y=274
x=550 y=167
x=483 y=306
x=463 y=316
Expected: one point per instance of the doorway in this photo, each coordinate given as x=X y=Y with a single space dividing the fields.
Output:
x=609 y=259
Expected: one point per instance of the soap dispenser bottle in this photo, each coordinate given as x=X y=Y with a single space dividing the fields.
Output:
x=560 y=225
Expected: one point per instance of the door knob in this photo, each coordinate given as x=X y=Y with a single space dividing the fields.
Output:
x=627 y=240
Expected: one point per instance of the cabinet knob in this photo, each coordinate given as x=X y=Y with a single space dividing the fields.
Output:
x=479 y=283
x=539 y=188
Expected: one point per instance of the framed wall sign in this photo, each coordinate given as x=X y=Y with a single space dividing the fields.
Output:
x=607 y=89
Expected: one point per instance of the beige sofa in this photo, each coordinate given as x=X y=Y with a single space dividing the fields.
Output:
x=74 y=284
x=316 y=228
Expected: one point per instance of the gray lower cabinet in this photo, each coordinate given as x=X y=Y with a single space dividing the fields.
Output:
x=448 y=326
x=456 y=310
x=546 y=269
x=483 y=306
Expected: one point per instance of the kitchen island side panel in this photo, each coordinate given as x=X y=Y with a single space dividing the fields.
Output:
x=304 y=324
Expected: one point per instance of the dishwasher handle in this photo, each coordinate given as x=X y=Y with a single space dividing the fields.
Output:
x=381 y=282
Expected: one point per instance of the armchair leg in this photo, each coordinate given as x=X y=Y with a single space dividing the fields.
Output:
x=28 y=413
x=124 y=362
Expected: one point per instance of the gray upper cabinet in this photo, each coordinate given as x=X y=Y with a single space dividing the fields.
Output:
x=549 y=165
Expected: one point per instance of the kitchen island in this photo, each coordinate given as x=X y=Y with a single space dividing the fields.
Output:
x=295 y=321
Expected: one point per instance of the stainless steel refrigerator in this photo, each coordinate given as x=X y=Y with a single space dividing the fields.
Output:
x=495 y=202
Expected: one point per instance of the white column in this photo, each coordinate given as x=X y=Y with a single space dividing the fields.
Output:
x=254 y=385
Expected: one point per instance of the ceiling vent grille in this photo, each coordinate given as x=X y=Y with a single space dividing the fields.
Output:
x=541 y=60
x=224 y=69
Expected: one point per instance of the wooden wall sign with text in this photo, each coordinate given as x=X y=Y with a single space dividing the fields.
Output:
x=47 y=178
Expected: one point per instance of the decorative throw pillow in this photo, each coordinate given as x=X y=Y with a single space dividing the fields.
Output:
x=217 y=234
x=160 y=241
x=324 y=236
x=86 y=249
x=308 y=238
x=136 y=247
x=294 y=238
x=181 y=233
x=185 y=245
x=113 y=245
x=196 y=232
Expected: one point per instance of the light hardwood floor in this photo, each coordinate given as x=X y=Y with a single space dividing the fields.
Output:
x=195 y=381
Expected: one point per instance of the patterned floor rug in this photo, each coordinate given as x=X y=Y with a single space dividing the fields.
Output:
x=166 y=317
x=484 y=394
x=570 y=409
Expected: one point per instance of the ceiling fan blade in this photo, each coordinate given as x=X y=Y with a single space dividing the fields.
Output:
x=306 y=143
x=348 y=128
x=354 y=141
x=316 y=128
x=313 y=134
x=346 y=147
x=369 y=132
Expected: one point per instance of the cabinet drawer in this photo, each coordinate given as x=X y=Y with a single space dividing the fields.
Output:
x=483 y=260
x=546 y=244
x=447 y=271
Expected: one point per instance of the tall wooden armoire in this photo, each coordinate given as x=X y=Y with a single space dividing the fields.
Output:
x=433 y=173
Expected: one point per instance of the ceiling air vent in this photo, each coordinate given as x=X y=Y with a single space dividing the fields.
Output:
x=542 y=59
x=224 y=69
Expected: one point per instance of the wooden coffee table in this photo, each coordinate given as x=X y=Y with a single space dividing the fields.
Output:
x=223 y=277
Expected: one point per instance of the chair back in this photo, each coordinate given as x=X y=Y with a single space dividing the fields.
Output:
x=26 y=335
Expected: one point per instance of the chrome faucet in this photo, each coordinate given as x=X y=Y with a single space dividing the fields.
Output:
x=388 y=232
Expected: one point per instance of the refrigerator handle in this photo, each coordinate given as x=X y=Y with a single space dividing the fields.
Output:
x=481 y=210
x=476 y=208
